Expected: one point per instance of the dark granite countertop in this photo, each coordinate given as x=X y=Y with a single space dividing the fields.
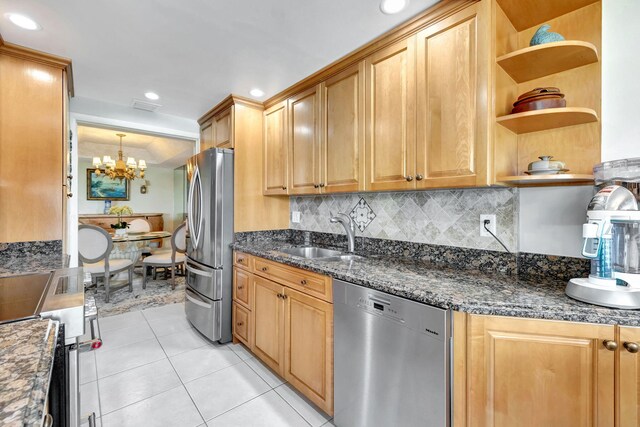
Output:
x=26 y=359
x=28 y=264
x=464 y=290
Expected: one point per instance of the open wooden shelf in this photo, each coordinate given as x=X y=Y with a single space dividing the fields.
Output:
x=546 y=59
x=565 y=178
x=550 y=118
x=527 y=13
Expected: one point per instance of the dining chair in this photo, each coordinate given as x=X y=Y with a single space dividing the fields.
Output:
x=94 y=248
x=141 y=225
x=165 y=260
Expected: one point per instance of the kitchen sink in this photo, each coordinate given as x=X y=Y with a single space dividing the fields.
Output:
x=344 y=257
x=311 y=252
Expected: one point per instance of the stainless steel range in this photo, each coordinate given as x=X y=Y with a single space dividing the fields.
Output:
x=59 y=296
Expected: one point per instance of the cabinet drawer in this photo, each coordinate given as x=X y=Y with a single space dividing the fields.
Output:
x=241 y=326
x=305 y=281
x=240 y=259
x=242 y=287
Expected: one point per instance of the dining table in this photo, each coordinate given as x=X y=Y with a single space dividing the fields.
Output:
x=131 y=245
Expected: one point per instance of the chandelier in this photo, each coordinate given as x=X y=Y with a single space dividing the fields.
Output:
x=118 y=169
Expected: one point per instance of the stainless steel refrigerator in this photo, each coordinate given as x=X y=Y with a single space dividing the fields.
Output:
x=210 y=232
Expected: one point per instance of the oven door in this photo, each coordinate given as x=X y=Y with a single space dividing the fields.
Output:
x=204 y=314
x=204 y=280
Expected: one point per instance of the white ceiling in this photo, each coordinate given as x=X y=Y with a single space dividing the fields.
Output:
x=155 y=150
x=193 y=53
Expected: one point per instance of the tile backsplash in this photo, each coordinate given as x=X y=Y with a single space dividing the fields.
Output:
x=440 y=217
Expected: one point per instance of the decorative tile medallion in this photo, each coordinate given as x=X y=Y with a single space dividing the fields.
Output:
x=362 y=214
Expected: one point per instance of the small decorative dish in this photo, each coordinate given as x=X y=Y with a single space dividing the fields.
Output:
x=546 y=171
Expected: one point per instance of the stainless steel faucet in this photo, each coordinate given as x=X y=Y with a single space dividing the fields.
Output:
x=349 y=228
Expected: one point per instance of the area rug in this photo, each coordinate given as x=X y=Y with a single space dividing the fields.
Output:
x=157 y=293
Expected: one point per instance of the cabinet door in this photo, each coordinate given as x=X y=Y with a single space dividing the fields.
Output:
x=242 y=324
x=390 y=117
x=268 y=315
x=242 y=282
x=342 y=154
x=304 y=142
x=309 y=347
x=206 y=135
x=629 y=378
x=539 y=373
x=447 y=94
x=275 y=149
x=223 y=129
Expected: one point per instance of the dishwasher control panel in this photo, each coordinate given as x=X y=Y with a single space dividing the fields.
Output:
x=426 y=319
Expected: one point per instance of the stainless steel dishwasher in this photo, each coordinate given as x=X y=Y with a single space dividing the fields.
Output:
x=391 y=357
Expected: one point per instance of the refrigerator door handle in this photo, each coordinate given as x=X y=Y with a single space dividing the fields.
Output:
x=198 y=272
x=195 y=223
x=196 y=301
x=201 y=216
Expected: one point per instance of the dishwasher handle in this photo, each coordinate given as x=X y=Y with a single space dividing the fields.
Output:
x=379 y=300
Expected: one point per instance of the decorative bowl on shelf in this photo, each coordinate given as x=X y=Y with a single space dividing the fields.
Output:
x=539 y=99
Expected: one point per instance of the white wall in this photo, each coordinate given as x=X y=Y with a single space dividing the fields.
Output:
x=158 y=199
x=173 y=124
x=620 y=82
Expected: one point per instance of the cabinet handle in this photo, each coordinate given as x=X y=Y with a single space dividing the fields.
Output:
x=264 y=268
x=316 y=186
x=284 y=296
x=409 y=178
x=322 y=185
x=280 y=296
x=240 y=260
x=419 y=177
x=284 y=187
x=631 y=347
x=240 y=287
x=240 y=323
x=610 y=345
x=303 y=282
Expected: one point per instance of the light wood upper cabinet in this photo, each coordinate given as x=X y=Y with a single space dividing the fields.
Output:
x=447 y=102
x=342 y=154
x=390 y=117
x=223 y=129
x=206 y=135
x=308 y=352
x=275 y=149
x=304 y=142
x=539 y=373
x=628 y=393
x=268 y=312
x=33 y=132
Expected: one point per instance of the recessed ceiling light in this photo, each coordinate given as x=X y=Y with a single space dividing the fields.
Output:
x=256 y=92
x=152 y=96
x=393 y=6
x=23 y=21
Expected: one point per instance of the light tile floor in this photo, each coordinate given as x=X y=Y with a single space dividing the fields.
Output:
x=154 y=369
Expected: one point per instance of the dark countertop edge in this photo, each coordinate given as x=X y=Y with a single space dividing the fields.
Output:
x=63 y=260
x=34 y=412
x=550 y=312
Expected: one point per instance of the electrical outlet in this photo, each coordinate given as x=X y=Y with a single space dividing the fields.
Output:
x=295 y=217
x=491 y=226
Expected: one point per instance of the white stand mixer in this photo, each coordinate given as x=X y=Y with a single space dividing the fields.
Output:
x=612 y=242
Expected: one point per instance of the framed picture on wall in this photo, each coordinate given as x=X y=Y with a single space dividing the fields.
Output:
x=101 y=187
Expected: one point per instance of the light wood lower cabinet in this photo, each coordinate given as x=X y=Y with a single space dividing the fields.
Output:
x=268 y=314
x=308 y=336
x=628 y=393
x=288 y=326
x=524 y=372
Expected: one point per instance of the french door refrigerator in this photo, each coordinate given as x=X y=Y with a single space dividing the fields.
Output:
x=210 y=233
